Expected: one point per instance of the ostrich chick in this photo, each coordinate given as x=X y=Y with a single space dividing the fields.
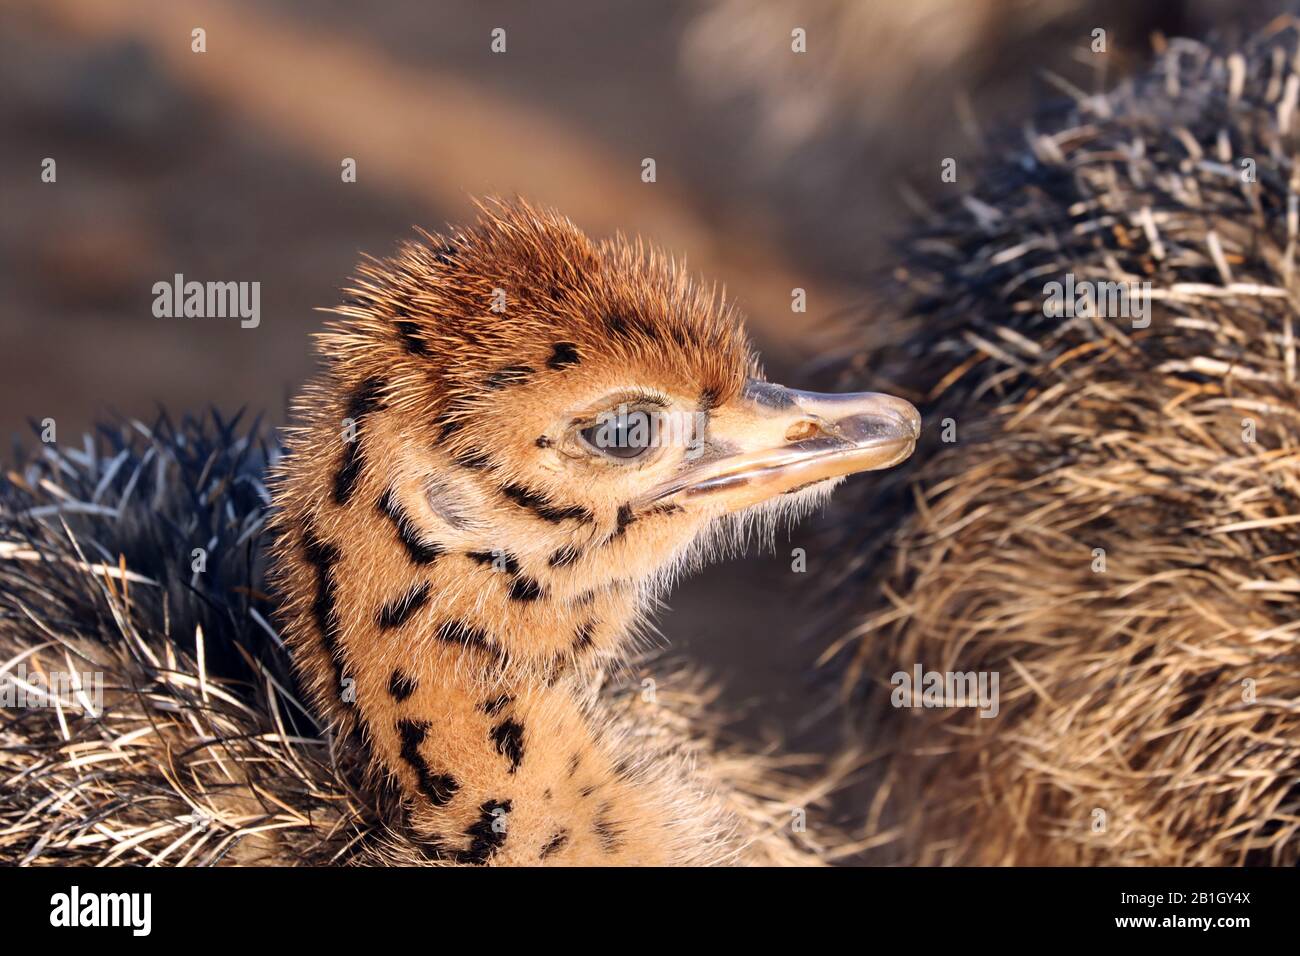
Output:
x=517 y=438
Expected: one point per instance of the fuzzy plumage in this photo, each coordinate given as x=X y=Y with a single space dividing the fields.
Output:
x=1148 y=710
x=451 y=320
x=203 y=751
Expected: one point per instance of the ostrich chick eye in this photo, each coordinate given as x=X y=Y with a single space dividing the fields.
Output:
x=621 y=434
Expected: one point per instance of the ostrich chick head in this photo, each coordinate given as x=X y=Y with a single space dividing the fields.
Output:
x=584 y=410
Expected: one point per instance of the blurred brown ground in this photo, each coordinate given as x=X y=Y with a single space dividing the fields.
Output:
x=225 y=165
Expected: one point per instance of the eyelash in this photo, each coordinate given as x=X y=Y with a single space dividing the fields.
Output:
x=644 y=397
x=638 y=399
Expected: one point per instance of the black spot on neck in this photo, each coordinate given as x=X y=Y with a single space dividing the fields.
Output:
x=458 y=632
x=608 y=832
x=553 y=845
x=524 y=588
x=541 y=506
x=557 y=668
x=472 y=459
x=497 y=560
x=401 y=686
x=349 y=473
x=364 y=400
x=509 y=739
x=447 y=425
x=487 y=835
x=319 y=552
x=616 y=322
x=495 y=705
x=583 y=639
x=563 y=354
x=438 y=787
x=409 y=333
x=629 y=325
x=624 y=518
x=564 y=557
x=322 y=556
x=398 y=611
x=508 y=376
x=542 y=442
x=417 y=550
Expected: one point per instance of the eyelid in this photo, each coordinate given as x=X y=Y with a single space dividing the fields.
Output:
x=653 y=398
x=637 y=396
x=632 y=401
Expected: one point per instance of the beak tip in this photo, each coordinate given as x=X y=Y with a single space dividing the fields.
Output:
x=907 y=412
x=887 y=416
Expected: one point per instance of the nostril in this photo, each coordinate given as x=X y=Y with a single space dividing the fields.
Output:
x=801 y=430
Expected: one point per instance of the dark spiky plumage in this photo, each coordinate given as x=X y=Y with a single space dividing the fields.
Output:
x=1148 y=710
x=202 y=752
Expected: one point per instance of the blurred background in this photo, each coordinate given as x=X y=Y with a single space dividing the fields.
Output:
x=775 y=170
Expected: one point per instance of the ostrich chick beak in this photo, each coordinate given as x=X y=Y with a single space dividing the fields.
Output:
x=774 y=441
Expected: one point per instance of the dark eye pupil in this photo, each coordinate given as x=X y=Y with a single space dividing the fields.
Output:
x=618 y=437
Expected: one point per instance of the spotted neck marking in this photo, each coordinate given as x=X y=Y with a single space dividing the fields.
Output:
x=467 y=666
